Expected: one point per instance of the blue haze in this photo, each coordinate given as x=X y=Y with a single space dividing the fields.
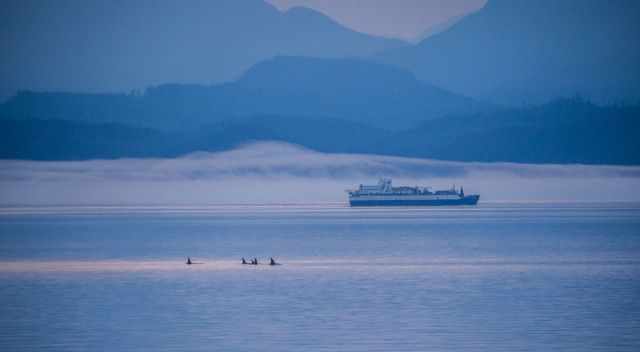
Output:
x=116 y=46
x=523 y=52
x=295 y=80
x=307 y=111
x=349 y=89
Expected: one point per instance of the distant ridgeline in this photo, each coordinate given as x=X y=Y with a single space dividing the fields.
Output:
x=54 y=127
x=207 y=41
x=488 y=87
x=517 y=52
x=349 y=89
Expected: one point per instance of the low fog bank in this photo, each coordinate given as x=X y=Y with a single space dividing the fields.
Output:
x=283 y=173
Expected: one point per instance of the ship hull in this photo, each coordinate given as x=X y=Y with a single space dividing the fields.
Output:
x=398 y=201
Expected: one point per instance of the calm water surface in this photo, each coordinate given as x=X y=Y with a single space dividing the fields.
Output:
x=497 y=277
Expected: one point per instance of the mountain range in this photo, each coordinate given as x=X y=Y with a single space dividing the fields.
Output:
x=564 y=131
x=521 y=52
x=491 y=86
x=349 y=89
x=513 y=52
x=116 y=46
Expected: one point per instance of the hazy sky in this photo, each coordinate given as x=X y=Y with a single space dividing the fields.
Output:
x=405 y=19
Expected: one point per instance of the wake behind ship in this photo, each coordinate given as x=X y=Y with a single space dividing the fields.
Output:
x=384 y=194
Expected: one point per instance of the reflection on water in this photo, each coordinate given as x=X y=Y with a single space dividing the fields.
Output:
x=343 y=265
x=492 y=278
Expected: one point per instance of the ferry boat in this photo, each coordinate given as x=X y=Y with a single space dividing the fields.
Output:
x=384 y=194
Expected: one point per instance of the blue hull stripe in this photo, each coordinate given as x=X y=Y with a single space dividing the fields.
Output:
x=468 y=200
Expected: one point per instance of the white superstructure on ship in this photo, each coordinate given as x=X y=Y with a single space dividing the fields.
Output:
x=384 y=194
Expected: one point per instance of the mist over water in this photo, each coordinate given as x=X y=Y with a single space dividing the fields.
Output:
x=271 y=172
